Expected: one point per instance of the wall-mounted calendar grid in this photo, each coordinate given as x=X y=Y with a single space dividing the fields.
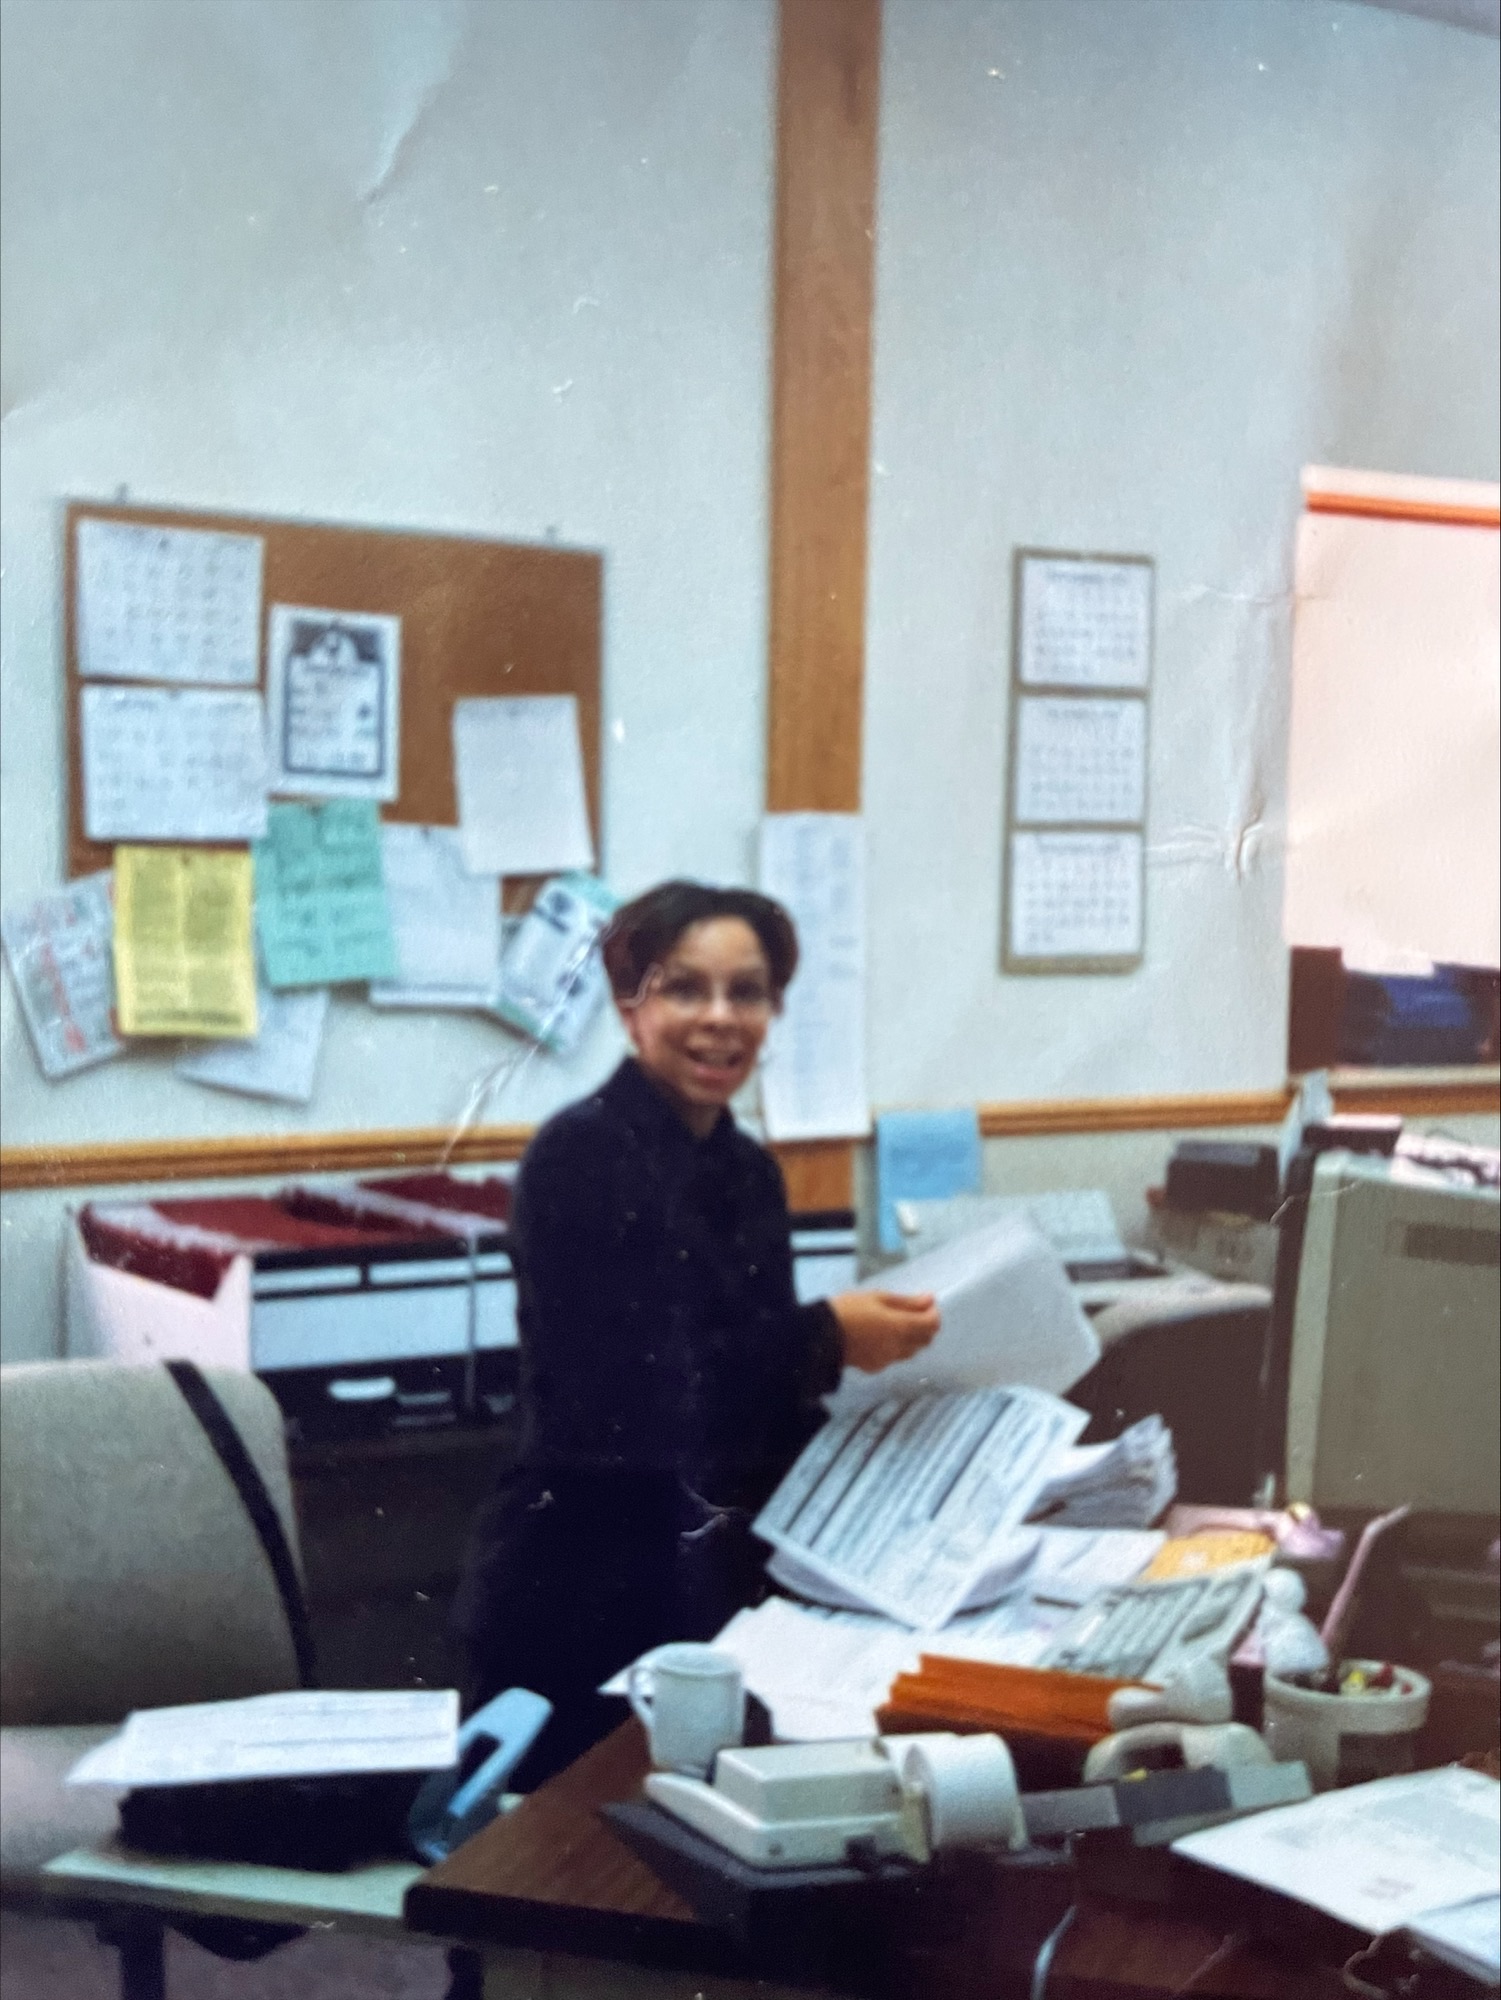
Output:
x=1077 y=790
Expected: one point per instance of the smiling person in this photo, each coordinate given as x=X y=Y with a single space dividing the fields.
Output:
x=669 y=1377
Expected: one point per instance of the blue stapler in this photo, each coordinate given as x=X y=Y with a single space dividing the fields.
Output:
x=454 y=1804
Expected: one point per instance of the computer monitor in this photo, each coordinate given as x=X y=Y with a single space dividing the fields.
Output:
x=1394 y=1390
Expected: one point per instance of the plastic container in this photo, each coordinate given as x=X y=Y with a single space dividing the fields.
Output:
x=1345 y=1739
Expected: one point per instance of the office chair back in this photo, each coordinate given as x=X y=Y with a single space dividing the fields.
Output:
x=132 y=1575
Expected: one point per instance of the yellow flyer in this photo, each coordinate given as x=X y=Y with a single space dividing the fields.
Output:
x=184 y=957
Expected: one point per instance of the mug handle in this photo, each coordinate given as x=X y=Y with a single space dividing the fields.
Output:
x=635 y=1681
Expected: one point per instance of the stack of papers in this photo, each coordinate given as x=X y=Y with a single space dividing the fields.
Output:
x=1126 y=1484
x=298 y=1735
x=905 y=1506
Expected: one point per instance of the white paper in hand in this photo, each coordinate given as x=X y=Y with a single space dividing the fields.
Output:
x=1009 y=1315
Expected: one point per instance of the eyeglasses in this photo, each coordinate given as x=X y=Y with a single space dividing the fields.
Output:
x=748 y=999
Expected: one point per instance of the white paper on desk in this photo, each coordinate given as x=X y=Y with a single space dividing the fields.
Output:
x=279 y=1061
x=1014 y=1633
x=813 y=1075
x=1375 y=1856
x=1075 y=1564
x=823 y=1674
x=298 y=1735
x=905 y=1503
x=1468 y=1936
x=172 y=764
x=1008 y=1315
x=333 y=694
x=60 y=950
x=519 y=773
x=1009 y=1569
x=1080 y=760
x=1075 y=895
x=446 y=922
x=168 y=604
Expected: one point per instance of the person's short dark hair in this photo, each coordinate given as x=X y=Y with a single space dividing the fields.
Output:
x=643 y=932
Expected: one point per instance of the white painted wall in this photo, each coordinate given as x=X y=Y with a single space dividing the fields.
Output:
x=1138 y=262
x=475 y=265
x=503 y=266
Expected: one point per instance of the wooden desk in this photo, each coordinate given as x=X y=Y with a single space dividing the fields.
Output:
x=553 y=1877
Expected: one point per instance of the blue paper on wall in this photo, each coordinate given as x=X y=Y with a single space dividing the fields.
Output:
x=923 y=1156
x=320 y=896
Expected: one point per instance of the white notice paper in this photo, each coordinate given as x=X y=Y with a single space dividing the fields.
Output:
x=1080 y=761
x=298 y=1735
x=903 y=1504
x=813 y=1076
x=333 y=690
x=446 y=922
x=168 y=604
x=280 y=1060
x=173 y=764
x=1375 y=1856
x=61 y=953
x=1084 y=623
x=519 y=774
x=1009 y=1315
x=1075 y=895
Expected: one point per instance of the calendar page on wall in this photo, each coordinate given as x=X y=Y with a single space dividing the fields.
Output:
x=1077 y=790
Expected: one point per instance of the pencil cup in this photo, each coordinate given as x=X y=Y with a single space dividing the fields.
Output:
x=691 y=1700
x=1346 y=1738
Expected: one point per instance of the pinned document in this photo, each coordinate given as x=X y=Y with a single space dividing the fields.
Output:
x=923 y=1156
x=813 y=1076
x=168 y=604
x=552 y=980
x=321 y=908
x=61 y=958
x=445 y=921
x=333 y=686
x=279 y=1061
x=184 y=960
x=519 y=774
x=172 y=763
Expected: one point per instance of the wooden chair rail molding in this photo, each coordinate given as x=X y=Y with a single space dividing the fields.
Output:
x=816 y=1172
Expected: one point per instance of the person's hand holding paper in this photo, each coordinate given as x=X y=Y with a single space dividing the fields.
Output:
x=1007 y=1312
x=882 y=1328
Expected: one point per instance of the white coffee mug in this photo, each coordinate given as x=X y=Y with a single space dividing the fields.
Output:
x=691 y=1700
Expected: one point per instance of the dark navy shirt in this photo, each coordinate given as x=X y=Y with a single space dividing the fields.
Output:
x=660 y=1332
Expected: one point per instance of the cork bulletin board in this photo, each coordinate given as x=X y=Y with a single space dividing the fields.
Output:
x=477 y=618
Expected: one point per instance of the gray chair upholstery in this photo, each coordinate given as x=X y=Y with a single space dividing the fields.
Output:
x=130 y=1577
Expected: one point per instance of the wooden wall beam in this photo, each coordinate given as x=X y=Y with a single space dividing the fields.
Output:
x=828 y=75
x=827 y=111
x=815 y=1171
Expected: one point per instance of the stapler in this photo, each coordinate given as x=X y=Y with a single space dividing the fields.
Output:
x=456 y=1803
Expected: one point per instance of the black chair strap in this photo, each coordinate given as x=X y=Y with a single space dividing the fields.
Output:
x=219 y=1428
